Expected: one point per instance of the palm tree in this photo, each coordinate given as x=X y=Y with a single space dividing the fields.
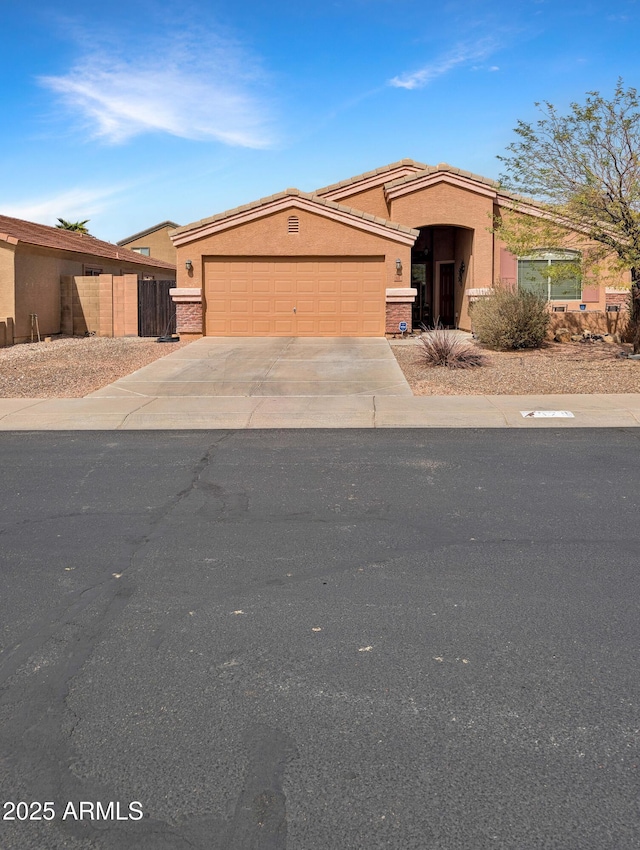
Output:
x=76 y=226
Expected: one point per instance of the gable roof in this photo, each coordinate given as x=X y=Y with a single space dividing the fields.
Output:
x=16 y=230
x=169 y=224
x=441 y=172
x=483 y=185
x=294 y=198
x=444 y=166
x=369 y=179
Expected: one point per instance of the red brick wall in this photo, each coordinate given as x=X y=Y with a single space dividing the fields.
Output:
x=189 y=318
x=397 y=312
x=621 y=298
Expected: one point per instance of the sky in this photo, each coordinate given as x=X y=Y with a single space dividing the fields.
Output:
x=133 y=113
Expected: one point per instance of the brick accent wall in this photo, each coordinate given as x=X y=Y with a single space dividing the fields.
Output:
x=397 y=312
x=621 y=297
x=189 y=318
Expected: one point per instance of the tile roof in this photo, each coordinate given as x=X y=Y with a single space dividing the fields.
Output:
x=67 y=240
x=368 y=174
x=392 y=225
x=478 y=178
x=170 y=224
x=442 y=166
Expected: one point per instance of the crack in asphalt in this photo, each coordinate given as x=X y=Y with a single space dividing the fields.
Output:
x=41 y=747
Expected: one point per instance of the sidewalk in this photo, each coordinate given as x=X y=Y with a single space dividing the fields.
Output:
x=355 y=411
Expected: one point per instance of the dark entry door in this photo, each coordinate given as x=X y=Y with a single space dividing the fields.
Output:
x=447 y=295
x=421 y=281
x=156 y=310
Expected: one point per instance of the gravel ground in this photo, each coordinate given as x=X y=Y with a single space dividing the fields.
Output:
x=72 y=367
x=571 y=367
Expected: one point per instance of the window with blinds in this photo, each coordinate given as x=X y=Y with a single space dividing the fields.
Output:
x=293 y=224
x=554 y=276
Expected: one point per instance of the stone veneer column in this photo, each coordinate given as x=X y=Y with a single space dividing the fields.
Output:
x=188 y=303
x=399 y=303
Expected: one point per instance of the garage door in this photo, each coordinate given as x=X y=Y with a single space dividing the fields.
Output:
x=286 y=296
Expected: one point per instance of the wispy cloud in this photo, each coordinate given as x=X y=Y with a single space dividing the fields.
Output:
x=462 y=54
x=200 y=88
x=77 y=203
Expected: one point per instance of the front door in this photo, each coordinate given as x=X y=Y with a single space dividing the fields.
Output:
x=447 y=295
x=422 y=313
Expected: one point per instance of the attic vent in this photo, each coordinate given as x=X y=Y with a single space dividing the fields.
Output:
x=293 y=224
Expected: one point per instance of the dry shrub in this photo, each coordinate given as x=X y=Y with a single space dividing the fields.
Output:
x=510 y=319
x=442 y=347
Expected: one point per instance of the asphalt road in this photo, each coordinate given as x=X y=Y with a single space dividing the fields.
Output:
x=320 y=640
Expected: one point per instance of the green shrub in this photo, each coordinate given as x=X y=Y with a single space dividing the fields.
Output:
x=510 y=319
x=442 y=347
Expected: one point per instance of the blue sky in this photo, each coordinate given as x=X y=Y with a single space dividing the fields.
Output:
x=132 y=113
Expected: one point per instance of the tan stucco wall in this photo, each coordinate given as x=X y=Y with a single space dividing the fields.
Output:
x=125 y=304
x=159 y=244
x=463 y=254
x=594 y=294
x=7 y=278
x=79 y=305
x=106 y=305
x=38 y=290
x=37 y=283
x=317 y=236
x=443 y=204
x=372 y=201
x=472 y=242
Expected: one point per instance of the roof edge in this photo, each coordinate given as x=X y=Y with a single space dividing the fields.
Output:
x=17 y=231
x=146 y=232
x=370 y=175
x=442 y=168
x=248 y=212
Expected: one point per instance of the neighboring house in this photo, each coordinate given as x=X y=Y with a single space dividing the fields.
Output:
x=153 y=242
x=33 y=260
x=404 y=243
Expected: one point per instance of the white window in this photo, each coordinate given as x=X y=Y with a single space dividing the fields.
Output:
x=555 y=275
x=144 y=251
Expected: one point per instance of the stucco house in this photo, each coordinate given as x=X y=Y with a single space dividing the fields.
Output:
x=153 y=242
x=407 y=242
x=35 y=263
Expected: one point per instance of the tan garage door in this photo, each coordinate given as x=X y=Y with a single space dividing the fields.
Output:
x=292 y=296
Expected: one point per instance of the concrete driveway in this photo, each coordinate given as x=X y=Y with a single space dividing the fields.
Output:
x=268 y=366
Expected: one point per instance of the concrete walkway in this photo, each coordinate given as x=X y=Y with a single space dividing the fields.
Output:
x=298 y=383
x=183 y=412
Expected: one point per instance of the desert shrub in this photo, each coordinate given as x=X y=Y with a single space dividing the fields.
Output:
x=510 y=319
x=441 y=347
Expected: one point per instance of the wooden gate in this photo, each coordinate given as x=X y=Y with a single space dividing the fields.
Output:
x=156 y=310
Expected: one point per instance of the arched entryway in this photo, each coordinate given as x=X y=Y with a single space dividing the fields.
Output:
x=440 y=263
